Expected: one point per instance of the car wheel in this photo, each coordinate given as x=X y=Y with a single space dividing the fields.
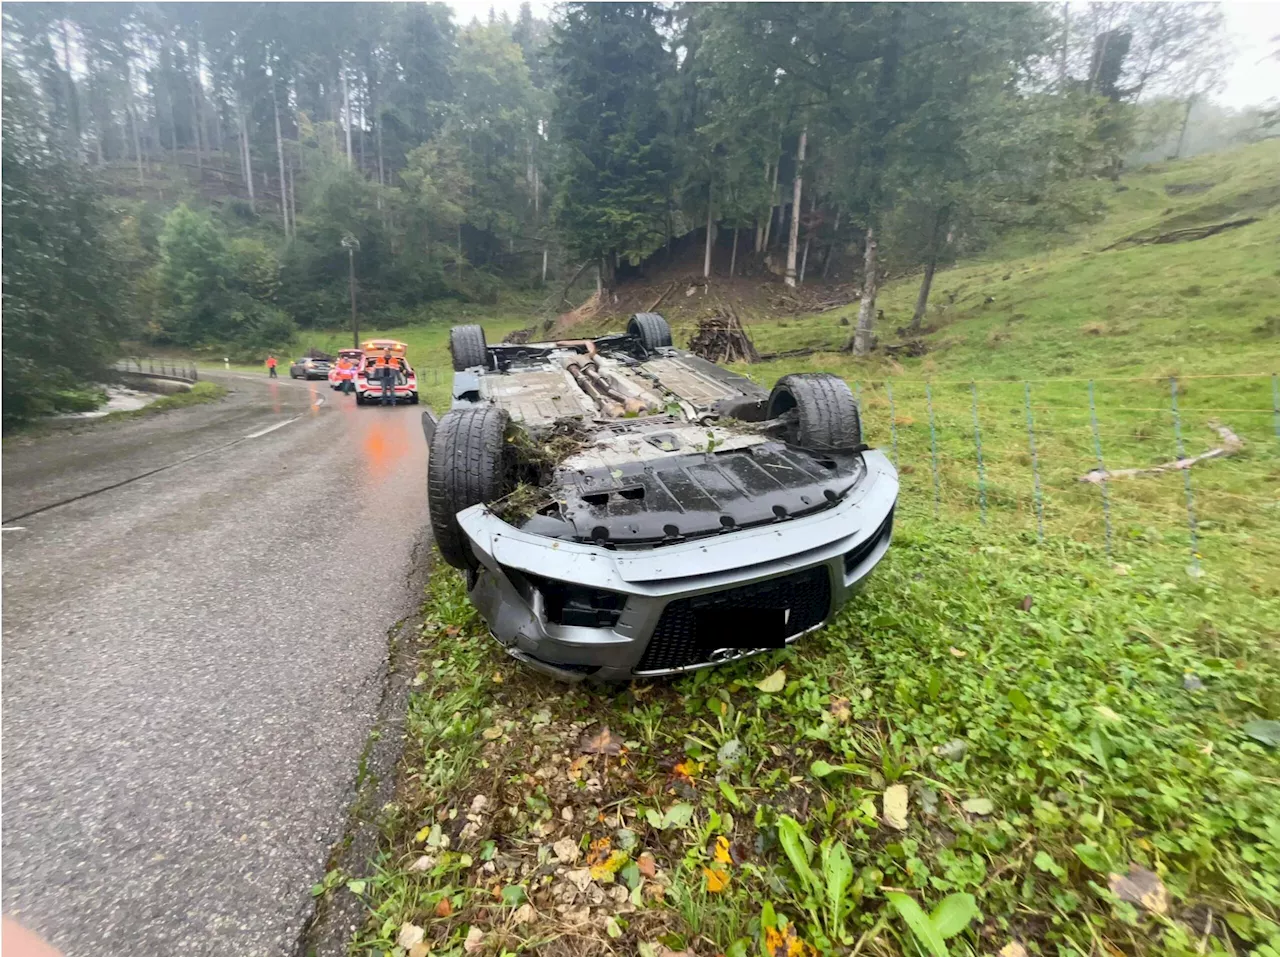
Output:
x=413 y=398
x=359 y=398
x=651 y=329
x=469 y=463
x=468 y=348
x=826 y=417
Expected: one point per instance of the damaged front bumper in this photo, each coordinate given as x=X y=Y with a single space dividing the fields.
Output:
x=575 y=611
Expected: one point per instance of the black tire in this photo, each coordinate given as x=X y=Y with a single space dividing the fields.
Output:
x=651 y=329
x=467 y=345
x=827 y=417
x=359 y=399
x=470 y=463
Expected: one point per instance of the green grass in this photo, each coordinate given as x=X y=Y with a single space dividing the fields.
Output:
x=1063 y=677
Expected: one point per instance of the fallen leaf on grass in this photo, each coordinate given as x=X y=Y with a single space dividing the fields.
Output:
x=603 y=741
x=979 y=806
x=574 y=771
x=1267 y=732
x=1027 y=602
x=444 y=907
x=423 y=863
x=525 y=914
x=685 y=770
x=491 y=734
x=410 y=934
x=474 y=942
x=1142 y=887
x=774 y=682
x=1013 y=949
x=785 y=943
x=722 y=850
x=648 y=864
x=605 y=871
x=420 y=949
x=958 y=652
x=717 y=879
x=840 y=709
x=895 y=806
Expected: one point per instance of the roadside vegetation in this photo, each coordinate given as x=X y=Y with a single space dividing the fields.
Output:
x=1026 y=733
x=1001 y=746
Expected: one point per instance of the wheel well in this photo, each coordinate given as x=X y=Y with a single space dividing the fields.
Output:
x=781 y=402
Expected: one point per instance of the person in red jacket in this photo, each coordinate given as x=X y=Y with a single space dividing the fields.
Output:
x=271 y=366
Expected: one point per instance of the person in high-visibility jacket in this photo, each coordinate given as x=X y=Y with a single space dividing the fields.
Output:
x=346 y=375
x=271 y=366
x=387 y=367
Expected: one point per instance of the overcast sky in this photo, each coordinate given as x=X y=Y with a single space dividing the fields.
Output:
x=1252 y=78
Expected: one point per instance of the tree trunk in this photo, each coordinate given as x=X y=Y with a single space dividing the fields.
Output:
x=706 y=257
x=1186 y=118
x=377 y=131
x=133 y=122
x=768 y=223
x=195 y=108
x=293 y=205
x=936 y=238
x=544 y=265
x=346 y=113
x=835 y=234
x=248 y=159
x=861 y=342
x=759 y=225
x=793 y=242
x=284 y=202
x=73 y=104
x=804 y=260
x=360 y=134
x=922 y=300
x=733 y=257
x=1066 y=43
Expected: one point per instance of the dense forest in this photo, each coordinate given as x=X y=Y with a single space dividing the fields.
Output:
x=204 y=174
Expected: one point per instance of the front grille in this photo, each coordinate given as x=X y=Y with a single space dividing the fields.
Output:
x=675 y=642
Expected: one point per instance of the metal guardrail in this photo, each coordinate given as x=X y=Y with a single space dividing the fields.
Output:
x=179 y=369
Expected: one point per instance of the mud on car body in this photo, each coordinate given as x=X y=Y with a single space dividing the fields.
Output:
x=623 y=508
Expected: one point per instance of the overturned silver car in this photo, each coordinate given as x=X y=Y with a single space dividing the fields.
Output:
x=625 y=509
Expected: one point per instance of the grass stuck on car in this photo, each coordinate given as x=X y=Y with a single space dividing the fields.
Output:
x=626 y=509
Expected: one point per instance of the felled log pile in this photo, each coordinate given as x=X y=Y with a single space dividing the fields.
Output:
x=721 y=338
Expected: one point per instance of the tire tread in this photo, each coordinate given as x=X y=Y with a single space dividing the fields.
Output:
x=467 y=466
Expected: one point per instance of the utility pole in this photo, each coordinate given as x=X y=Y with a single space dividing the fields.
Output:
x=351 y=244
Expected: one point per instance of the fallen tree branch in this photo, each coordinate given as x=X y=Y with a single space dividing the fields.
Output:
x=1180 y=235
x=1231 y=444
x=657 y=302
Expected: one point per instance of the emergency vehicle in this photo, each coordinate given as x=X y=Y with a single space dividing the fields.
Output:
x=345 y=367
x=368 y=375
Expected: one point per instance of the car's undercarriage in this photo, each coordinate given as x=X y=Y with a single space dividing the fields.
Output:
x=586 y=485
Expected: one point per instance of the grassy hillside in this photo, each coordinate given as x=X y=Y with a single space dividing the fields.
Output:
x=1211 y=305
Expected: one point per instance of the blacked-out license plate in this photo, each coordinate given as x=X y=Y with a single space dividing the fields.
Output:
x=743 y=627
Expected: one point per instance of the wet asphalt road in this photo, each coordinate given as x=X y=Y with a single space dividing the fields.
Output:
x=192 y=662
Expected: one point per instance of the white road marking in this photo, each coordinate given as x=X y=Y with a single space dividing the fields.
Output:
x=14 y=528
x=271 y=428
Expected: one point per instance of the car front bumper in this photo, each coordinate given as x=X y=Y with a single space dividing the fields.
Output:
x=815 y=563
